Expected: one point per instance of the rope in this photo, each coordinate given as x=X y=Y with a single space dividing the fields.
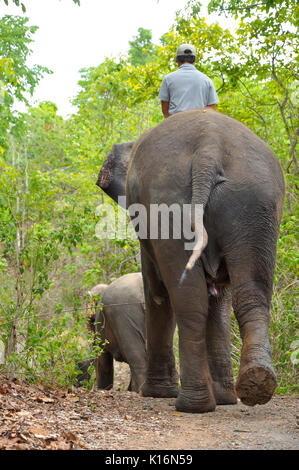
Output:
x=91 y=308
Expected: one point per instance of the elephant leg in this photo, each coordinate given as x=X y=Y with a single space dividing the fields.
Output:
x=127 y=324
x=135 y=355
x=252 y=291
x=83 y=367
x=130 y=385
x=137 y=378
x=218 y=345
x=190 y=304
x=161 y=375
x=104 y=371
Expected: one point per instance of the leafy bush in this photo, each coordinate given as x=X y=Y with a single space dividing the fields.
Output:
x=48 y=351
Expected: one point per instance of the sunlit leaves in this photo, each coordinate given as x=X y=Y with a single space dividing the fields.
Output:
x=142 y=50
x=17 y=79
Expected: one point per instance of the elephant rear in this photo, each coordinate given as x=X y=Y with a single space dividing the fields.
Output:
x=206 y=159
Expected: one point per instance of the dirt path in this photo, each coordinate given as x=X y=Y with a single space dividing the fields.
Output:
x=35 y=418
x=272 y=426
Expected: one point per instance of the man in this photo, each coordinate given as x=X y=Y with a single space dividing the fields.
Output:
x=186 y=88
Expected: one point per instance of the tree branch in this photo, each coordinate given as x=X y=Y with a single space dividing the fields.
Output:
x=254 y=109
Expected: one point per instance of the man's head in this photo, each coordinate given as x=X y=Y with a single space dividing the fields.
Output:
x=185 y=54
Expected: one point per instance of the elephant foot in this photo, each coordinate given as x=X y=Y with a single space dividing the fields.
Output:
x=224 y=393
x=255 y=385
x=137 y=379
x=159 y=390
x=198 y=401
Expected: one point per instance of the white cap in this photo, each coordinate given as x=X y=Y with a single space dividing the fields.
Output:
x=186 y=50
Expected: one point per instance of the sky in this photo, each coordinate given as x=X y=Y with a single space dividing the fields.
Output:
x=71 y=37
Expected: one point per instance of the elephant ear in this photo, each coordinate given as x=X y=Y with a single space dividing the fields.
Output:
x=112 y=176
x=106 y=172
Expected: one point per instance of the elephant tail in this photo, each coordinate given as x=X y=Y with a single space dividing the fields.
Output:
x=203 y=181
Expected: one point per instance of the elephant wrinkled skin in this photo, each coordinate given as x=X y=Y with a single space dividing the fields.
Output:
x=204 y=157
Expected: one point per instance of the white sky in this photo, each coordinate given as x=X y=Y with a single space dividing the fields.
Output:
x=72 y=37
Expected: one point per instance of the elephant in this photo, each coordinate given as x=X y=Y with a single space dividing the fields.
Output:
x=203 y=158
x=119 y=320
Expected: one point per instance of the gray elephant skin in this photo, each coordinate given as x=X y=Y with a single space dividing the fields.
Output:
x=204 y=157
x=120 y=322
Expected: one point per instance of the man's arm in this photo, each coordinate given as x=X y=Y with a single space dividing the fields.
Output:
x=212 y=97
x=165 y=108
x=164 y=96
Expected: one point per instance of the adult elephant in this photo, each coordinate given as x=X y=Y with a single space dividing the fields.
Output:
x=202 y=157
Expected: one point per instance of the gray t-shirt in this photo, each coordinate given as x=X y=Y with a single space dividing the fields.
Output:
x=187 y=88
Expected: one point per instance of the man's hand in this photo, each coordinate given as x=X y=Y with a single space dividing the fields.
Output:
x=165 y=108
x=211 y=106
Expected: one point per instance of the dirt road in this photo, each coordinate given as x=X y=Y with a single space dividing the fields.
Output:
x=33 y=417
x=272 y=426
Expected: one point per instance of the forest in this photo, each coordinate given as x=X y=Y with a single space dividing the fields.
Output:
x=50 y=254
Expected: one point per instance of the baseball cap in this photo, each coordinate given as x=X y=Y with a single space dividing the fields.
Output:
x=186 y=49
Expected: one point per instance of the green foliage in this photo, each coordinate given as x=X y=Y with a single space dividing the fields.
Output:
x=47 y=219
x=17 y=80
x=142 y=50
x=49 y=350
x=15 y=40
x=295 y=354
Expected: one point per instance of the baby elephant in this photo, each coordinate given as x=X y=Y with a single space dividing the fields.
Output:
x=120 y=319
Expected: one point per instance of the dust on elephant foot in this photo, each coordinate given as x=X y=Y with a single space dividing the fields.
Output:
x=224 y=393
x=159 y=390
x=196 y=401
x=256 y=385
